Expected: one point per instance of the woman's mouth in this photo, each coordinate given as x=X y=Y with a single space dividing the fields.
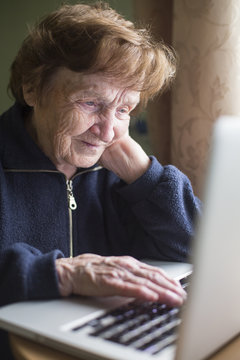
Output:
x=91 y=145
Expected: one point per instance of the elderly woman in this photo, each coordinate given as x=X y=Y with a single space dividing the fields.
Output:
x=80 y=199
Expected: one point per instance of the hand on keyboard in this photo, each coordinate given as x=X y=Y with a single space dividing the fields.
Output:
x=95 y=275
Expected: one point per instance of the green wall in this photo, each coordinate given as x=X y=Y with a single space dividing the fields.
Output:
x=15 y=15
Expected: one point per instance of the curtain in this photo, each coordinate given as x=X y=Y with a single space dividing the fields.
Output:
x=206 y=37
x=158 y=15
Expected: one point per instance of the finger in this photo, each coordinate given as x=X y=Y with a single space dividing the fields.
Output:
x=141 y=291
x=134 y=265
x=158 y=279
x=142 y=270
x=156 y=283
x=154 y=269
x=120 y=277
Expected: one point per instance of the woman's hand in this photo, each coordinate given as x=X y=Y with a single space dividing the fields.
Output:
x=95 y=275
x=126 y=159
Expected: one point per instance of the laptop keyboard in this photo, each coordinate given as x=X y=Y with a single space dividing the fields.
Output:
x=145 y=326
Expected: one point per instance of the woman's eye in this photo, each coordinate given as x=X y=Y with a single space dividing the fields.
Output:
x=90 y=103
x=123 y=111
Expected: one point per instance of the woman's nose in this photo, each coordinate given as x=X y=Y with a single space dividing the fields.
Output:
x=104 y=128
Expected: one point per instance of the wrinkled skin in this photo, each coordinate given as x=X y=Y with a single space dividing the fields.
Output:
x=117 y=275
x=81 y=120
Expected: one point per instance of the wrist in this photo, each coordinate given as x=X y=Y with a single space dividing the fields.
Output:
x=135 y=169
x=64 y=272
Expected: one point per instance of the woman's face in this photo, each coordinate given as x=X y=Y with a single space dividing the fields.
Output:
x=79 y=116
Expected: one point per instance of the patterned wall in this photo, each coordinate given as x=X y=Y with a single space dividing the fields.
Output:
x=206 y=35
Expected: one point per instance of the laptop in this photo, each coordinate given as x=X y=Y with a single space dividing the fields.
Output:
x=124 y=329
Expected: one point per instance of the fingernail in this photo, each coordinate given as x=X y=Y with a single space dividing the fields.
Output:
x=184 y=293
x=176 y=299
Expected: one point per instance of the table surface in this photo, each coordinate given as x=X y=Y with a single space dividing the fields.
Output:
x=24 y=349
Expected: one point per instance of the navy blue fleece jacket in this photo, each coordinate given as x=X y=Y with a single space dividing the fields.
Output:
x=150 y=218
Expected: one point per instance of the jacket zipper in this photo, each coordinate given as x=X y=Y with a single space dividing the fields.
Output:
x=72 y=205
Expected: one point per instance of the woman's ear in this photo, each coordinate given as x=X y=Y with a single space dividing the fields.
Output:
x=29 y=95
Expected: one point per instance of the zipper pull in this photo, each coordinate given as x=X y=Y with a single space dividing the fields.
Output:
x=71 y=200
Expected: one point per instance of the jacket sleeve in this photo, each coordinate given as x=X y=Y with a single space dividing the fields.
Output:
x=27 y=274
x=165 y=209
